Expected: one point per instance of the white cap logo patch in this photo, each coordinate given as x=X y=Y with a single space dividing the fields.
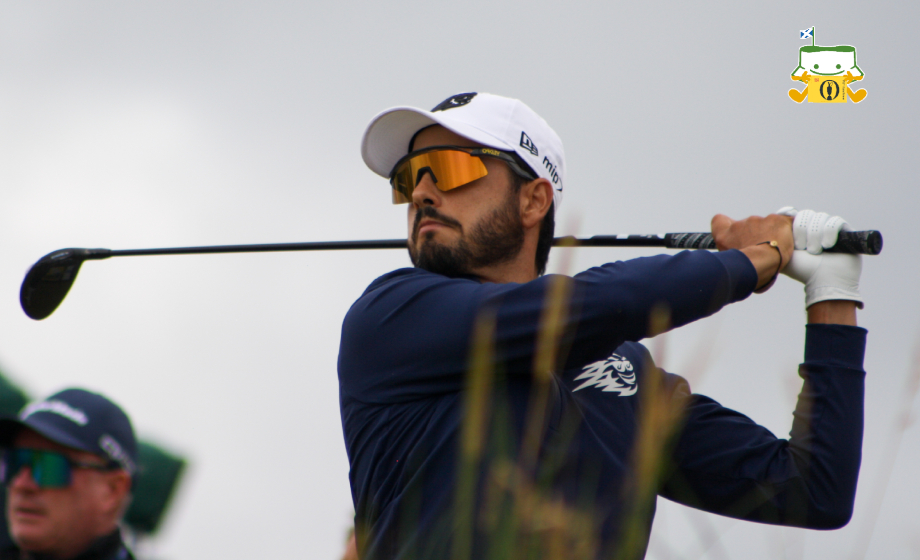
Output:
x=458 y=100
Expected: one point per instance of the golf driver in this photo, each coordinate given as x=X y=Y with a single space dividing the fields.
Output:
x=48 y=281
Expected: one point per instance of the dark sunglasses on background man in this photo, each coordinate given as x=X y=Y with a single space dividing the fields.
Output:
x=49 y=469
x=450 y=167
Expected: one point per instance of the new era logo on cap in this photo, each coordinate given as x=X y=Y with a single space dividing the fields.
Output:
x=528 y=144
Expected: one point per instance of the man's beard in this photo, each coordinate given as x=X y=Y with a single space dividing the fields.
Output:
x=496 y=239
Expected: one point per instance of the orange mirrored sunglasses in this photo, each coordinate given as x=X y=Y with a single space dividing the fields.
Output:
x=450 y=167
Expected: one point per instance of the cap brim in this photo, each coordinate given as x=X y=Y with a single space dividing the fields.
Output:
x=9 y=427
x=387 y=137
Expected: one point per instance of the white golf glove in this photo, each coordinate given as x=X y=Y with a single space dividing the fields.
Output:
x=826 y=276
x=814 y=231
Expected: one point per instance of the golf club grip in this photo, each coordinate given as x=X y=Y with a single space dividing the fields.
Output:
x=867 y=242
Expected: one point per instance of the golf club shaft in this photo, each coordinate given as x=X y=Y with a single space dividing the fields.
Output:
x=863 y=242
x=48 y=281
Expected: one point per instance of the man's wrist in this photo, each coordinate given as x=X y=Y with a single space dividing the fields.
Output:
x=766 y=261
x=833 y=312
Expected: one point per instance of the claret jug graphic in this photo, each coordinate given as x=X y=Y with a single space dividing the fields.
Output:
x=827 y=73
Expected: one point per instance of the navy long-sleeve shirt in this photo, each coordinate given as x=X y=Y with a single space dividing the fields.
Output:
x=403 y=376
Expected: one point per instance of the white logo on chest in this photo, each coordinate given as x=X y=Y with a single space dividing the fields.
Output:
x=613 y=375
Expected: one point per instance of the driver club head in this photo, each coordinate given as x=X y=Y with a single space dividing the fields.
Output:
x=48 y=281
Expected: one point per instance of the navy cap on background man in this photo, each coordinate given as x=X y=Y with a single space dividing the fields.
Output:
x=68 y=463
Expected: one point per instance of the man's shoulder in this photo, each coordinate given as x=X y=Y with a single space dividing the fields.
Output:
x=392 y=276
x=389 y=281
x=409 y=274
x=404 y=282
x=407 y=292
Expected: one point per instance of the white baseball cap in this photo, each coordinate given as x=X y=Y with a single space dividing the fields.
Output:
x=491 y=120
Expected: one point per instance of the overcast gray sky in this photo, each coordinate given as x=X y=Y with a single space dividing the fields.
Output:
x=156 y=124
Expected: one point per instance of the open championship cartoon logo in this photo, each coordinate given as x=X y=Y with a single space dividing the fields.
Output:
x=827 y=73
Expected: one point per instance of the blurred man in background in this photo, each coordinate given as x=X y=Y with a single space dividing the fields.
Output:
x=67 y=464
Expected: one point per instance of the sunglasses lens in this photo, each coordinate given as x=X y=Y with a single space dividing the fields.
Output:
x=402 y=186
x=53 y=470
x=449 y=169
x=49 y=469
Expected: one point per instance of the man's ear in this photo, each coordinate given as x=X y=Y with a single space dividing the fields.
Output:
x=536 y=198
x=117 y=487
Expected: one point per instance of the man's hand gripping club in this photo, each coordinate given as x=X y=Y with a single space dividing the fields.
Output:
x=831 y=279
x=753 y=236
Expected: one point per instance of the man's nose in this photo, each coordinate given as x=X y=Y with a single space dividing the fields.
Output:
x=23 y=480
x=426 y=192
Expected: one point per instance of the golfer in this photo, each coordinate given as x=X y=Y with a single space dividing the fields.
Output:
x=490 y=411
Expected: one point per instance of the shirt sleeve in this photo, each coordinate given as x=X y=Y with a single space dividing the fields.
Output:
x=725 y=463
x=410 y=335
